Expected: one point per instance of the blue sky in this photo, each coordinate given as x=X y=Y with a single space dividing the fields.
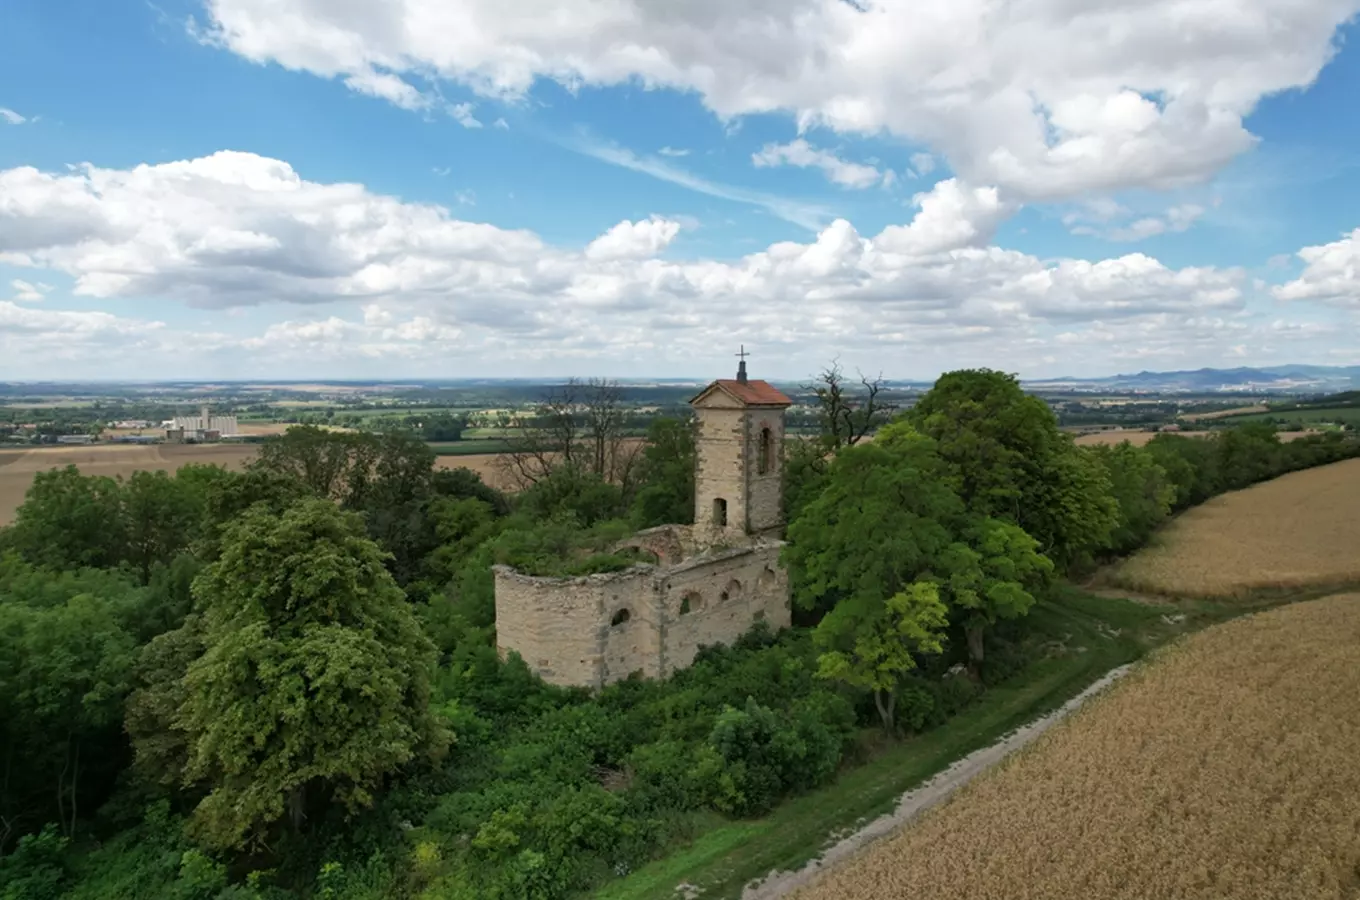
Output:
x=423 y=187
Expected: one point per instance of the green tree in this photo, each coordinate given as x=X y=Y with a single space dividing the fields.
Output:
x=883 y=517
x=69 y=520
x=442 y=427
x=666 y=475
x=163 y=515
x=313 y=684
x=1141 y=489
x=1010 y=461
x=1248 y=454
x=65 y=668
x=993 y=573
x=872 y=645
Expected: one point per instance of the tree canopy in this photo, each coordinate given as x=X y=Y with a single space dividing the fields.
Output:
x=314 y=680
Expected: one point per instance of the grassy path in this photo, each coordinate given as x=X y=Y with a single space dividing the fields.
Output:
x=1090 y=636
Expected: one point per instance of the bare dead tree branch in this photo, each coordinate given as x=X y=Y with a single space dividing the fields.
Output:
x=846 y=416
x=579 y=425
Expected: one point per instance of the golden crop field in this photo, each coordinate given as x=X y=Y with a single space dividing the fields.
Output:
x=1297 y=530
x=1225 y=413
x=1225 y=768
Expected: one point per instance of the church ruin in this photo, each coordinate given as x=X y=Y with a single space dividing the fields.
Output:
x=712 y=581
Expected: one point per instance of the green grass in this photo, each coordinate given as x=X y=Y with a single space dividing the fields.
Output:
x=728 y=854
x=469 y=448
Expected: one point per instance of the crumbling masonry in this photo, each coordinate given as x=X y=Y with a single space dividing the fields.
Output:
x=713 y=579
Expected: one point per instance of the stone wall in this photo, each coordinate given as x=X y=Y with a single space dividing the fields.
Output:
x=714 y=600
x=597 y=629
x=560 y=626
x=670 y=544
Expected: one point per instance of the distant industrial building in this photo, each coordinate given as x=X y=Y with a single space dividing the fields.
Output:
x=75 y=439
x=202 y=427
x=130 y=424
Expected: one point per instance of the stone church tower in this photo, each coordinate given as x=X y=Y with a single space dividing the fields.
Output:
x=711 y=582
x=740 y=449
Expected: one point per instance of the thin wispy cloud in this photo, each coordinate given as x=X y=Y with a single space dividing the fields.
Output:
x=807 y=215
x=11 y=117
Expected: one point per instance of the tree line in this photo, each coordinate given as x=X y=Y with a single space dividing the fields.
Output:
x=284 y=681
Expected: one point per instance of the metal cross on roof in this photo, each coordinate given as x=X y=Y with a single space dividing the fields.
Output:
x=743 y=354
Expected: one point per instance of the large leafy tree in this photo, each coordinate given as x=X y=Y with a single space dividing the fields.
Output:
x=992 y=573
x=1141 y=489
x=1190 y=464
x=888 y=517
x=313 y=681
x=1009 y=461
x=885 y=513
x=163 y=514
x=1248 y=454
x=873 y=645
x=66 y=658
x=390 y=478
x=69 y=520
x=666 y=475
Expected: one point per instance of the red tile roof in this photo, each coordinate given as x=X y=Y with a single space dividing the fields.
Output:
x=754 y=393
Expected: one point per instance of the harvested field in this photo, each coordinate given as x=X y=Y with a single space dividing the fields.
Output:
x=17 y=467
x=1298 y=530
x=1223 y=768
x=1225 y=413
x=487 y=465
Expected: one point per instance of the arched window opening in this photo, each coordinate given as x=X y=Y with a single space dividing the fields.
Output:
x=620 y=618
x=692 y=601
x=767 y=580
x=720 y=512
x=765 y=461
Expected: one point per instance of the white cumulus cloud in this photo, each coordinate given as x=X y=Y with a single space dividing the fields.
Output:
x=634 y=240
x=1331 y=274
x=1043 y=98
x=11 y=117
x=800 y=153
x=371 y=277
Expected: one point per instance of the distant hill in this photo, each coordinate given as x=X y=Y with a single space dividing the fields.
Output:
x=1286 y=379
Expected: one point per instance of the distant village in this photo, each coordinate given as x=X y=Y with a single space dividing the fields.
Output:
x=204 y=428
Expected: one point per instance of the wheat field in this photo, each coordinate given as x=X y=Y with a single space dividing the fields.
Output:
x=1298 y=530
x=1227 y=767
